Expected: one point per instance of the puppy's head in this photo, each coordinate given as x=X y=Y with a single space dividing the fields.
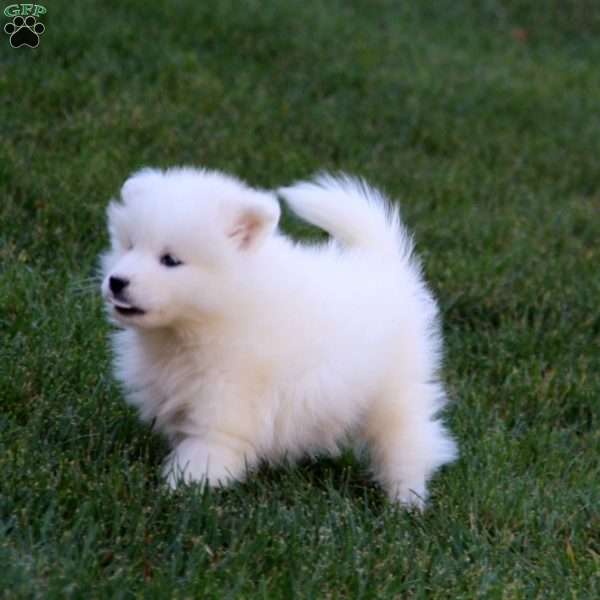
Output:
x=179 y=239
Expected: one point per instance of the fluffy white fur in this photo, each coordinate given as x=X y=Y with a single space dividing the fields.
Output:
x=256 y=347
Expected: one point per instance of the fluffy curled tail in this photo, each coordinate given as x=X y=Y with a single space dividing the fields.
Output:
x=351 y=211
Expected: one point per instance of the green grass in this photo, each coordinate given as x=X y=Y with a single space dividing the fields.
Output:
x=482 y=119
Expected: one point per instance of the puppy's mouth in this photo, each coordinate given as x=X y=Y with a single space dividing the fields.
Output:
x=127 y=310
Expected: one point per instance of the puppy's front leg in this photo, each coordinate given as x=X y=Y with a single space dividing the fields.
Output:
x=216 y=460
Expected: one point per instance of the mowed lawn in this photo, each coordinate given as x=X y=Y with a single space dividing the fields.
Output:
x=482 y=119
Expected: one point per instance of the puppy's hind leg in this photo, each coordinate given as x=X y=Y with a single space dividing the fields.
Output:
x=406 y=441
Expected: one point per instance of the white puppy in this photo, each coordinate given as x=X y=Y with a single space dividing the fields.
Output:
x=243 y=345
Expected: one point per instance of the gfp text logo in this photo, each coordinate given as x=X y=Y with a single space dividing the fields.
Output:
x=24 y=29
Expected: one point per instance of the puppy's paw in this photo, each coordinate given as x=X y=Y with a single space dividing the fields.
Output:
x=196 y=461
x=410 y=498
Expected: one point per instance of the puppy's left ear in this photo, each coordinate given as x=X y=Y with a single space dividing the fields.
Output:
x=139 y=182
x=253 y=222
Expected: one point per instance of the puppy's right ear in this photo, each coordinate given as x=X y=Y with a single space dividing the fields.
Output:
x=139 y=182
x=254 y=222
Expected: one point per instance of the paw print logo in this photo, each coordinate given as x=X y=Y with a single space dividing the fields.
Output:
x=24 y=32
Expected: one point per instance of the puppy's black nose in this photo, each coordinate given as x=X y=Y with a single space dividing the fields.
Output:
x=116 y=284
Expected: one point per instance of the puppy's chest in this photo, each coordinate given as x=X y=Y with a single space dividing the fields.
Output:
x=202 y=392
x=179 y=377
x=162 y=378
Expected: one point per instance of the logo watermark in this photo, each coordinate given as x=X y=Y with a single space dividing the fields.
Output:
x=24 y=29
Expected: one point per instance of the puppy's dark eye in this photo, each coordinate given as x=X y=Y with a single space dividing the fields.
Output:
x=168 y=260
